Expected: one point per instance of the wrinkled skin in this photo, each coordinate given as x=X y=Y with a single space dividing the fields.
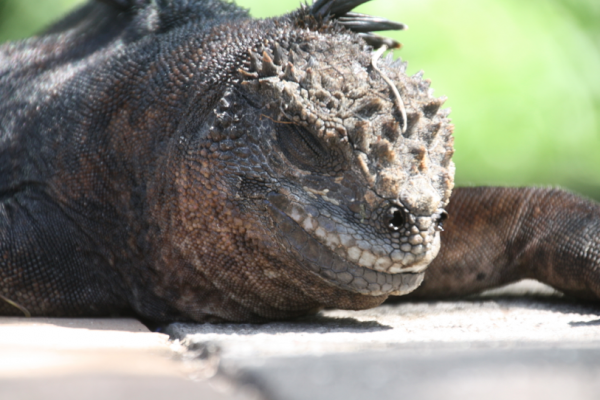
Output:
x=182 y=161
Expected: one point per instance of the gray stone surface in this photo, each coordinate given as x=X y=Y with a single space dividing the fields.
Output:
x=489 y=374
x=494 y=346
x=482 y=322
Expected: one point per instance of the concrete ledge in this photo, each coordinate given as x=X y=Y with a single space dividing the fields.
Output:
x=495 y=346
x=97 y=359
x=107 y=387
x=60 y=346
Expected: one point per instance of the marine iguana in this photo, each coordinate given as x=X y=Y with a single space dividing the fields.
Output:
x=179 y=160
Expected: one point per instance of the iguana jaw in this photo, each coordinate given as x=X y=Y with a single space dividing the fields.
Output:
x=312 y=253
x=354 y=238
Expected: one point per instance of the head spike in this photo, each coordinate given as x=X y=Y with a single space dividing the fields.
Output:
x=430 y=109
x=255 y=63
x=435 y=130
x=268 y=67
x=289 y=73
x=391 y=130
x=412 y=122
x=322 y=8
x=310 y=80
x=246 y=74
x=366 y=23
x=279 y=56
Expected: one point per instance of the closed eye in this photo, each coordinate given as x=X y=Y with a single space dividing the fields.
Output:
x=308 y=152
x=300 y=146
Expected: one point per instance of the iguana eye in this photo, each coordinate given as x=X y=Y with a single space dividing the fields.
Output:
x=394 y=218
x=302 y=148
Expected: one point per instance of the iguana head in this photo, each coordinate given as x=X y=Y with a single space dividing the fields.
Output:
x=342 y=156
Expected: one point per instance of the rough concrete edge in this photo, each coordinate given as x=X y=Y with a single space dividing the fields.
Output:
x=202 y=361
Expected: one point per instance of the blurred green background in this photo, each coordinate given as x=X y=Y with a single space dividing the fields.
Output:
x=522 y=78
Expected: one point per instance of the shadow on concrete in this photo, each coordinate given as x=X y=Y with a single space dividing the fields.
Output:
x=585 y=323
x=312 y=324
x=341 y=324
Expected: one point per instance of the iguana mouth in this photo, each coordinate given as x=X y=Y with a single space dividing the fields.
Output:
x=354 y=260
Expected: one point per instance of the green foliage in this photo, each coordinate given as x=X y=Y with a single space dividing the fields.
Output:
x=23 y=18
x=522 y=78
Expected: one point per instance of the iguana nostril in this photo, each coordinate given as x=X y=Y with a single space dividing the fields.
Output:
x=395 y=218
x=443 y=215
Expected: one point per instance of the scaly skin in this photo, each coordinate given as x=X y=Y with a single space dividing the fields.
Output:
x=497 y=236
x=181 y=161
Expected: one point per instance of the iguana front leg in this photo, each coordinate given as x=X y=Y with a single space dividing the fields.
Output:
x=495 y=236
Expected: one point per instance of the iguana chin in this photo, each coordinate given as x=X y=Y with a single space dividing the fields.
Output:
x=179 y=160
